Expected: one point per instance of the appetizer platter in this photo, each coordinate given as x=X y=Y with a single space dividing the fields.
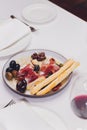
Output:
x=38 y=72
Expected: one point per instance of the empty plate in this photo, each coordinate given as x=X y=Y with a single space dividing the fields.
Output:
x=21 y=116
x=11 y=31
x=2 y=127
x=39 y=13
x=17 y=47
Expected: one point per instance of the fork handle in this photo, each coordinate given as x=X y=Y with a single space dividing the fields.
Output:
x=32 y=28
x=13 y=17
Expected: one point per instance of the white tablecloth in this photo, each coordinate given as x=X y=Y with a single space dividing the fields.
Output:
x=67 y=35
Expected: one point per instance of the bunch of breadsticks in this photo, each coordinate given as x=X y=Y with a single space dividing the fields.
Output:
x=42 y=85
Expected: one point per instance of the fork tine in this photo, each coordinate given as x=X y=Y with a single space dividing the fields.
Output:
x=14 y=102
x=7 y=104
x=10 y=103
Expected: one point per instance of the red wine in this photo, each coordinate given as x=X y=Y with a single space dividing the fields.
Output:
x=79 y=105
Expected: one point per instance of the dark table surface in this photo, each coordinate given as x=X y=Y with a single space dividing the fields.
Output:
x=77 y=7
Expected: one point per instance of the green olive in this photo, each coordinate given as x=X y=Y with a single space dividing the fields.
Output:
x=9 y=76
x=14 y=73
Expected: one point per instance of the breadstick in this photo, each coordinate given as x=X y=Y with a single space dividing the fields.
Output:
x=34 y=83
x=52 y=77
x=58 y=80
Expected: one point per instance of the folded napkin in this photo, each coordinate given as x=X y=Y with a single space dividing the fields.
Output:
x=22 y=116
x=11 y=31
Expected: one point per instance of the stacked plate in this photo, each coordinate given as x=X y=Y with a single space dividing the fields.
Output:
x=22 y=115
x=15 y=36
x=39 y=13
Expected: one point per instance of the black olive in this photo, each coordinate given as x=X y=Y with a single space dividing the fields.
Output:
x=41 y=58
x=24 y=82
x=13 y=64
x=21 y=86
x=17 y=67
x=34 y=56
x=41 y=54
x=9 y=69
x=36 y=68
x=21 y=89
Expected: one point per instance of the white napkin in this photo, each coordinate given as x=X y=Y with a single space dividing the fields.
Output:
x=11 y=31
x=23 y=116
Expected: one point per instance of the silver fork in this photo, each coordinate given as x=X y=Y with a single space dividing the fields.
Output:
x=32 y=28
x=14 y=102
x=10 y=103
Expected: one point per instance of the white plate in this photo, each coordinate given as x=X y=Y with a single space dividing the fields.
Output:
x=39 y=13
x=2 y=127
x=8 y=29
x=25 y=55
x=21 y=116
x=51 y=117
x=17 y=47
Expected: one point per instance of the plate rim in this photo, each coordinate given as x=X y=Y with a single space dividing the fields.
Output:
x=53 y=112
x=42 y=4
x=10 y=44
x=29 y=36
x=35 y=96
x=36 y=108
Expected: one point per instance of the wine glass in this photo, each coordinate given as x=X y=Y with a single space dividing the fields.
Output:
x=78 y=96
